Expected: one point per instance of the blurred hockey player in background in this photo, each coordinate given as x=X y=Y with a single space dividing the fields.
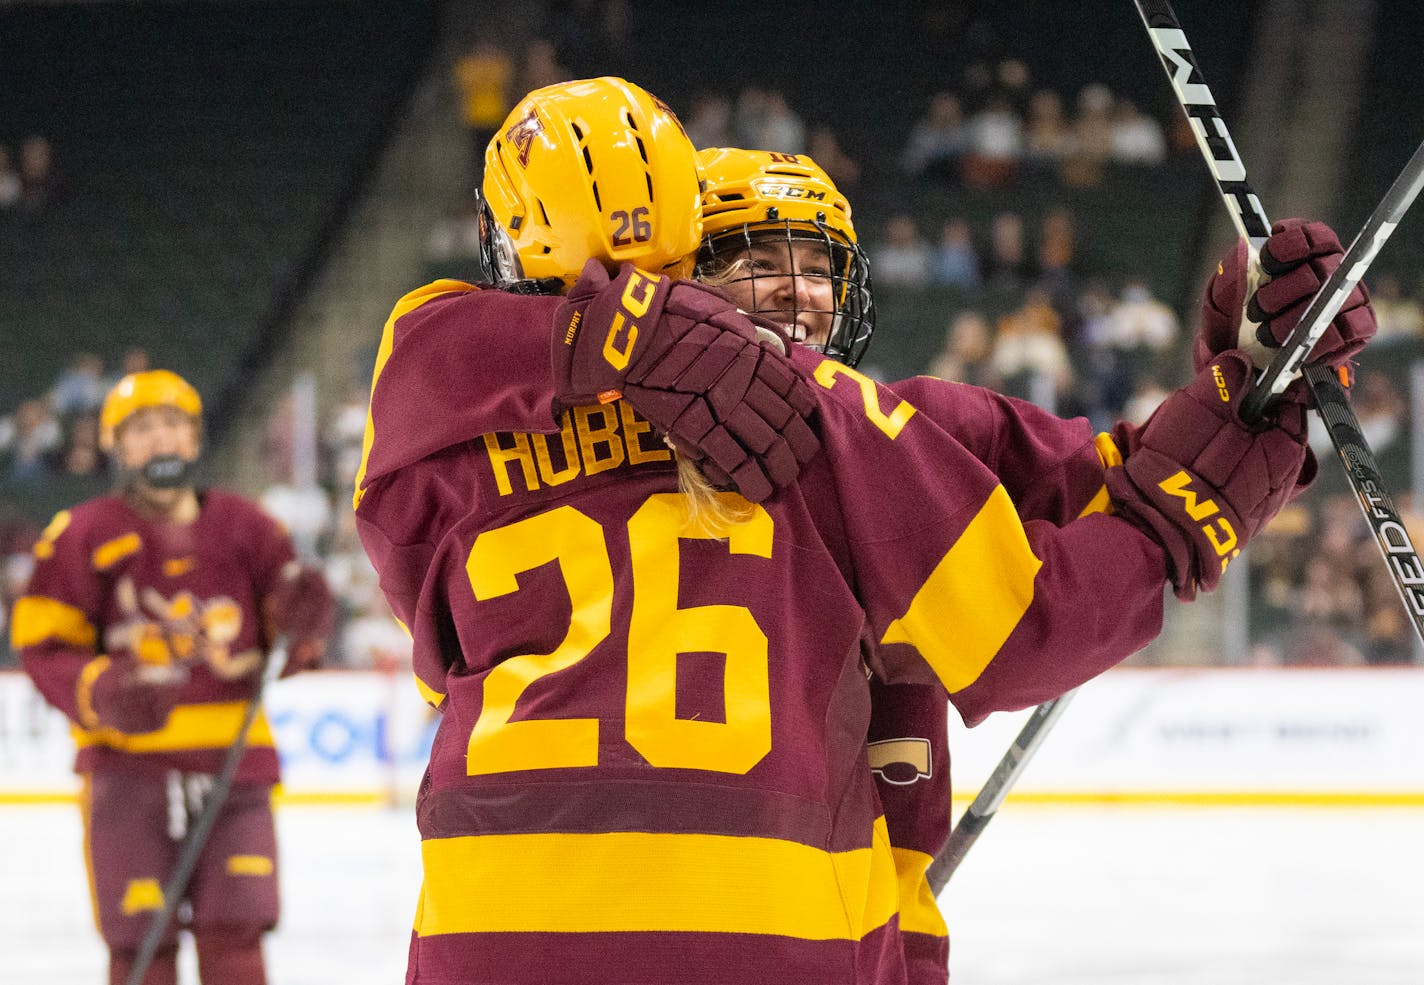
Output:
x=148 y=618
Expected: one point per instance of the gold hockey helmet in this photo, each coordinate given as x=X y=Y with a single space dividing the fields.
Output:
x=596 y=168
x=151 y=388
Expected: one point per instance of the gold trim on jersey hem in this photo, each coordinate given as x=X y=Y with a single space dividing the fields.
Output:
x=632 y=881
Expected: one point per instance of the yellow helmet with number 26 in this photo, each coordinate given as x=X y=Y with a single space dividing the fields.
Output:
x=592 y=169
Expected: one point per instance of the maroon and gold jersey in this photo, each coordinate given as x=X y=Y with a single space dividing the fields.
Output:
x=652 y=762
x=101 y=566
x=1052 y=469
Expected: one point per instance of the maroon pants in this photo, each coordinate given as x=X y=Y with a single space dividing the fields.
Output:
x=134 y=831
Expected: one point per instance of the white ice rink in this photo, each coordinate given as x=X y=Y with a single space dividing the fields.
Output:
x=1067 y=896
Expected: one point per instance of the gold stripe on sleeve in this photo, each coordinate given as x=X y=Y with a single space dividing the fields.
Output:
x=84 y=691
x=1110 y=455
x=432 y=697
x=249 y=865
x=642 y=881
x=1100 y=503
x=975 y=596
x=113 y=551
x=44 y=547
x=37 y=618
x=1108 y=450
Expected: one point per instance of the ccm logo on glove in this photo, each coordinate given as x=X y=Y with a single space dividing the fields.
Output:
x=694 y=367
x=1225 y=544
x=1221 y=387
x=1179 y=485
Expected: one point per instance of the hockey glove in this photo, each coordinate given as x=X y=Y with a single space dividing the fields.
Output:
x=134 y=697
x=301 y=608
x=1240 y=313
x=1202 y=483
x=695 y=367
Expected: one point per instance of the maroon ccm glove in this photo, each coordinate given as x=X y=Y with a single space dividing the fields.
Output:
x=694 y=366
x=1199 y=481
x=1298 y=257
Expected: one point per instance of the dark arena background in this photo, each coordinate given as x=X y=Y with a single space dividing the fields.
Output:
x=240 y=191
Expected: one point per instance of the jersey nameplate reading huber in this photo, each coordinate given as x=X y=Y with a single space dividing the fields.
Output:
x=591 y=440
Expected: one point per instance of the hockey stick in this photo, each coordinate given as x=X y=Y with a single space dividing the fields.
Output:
x=198 y=834
x=992 y=794
x=1219 y=151
x=1401 y=558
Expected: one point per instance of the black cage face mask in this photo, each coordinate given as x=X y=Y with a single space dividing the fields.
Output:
x=762 y=258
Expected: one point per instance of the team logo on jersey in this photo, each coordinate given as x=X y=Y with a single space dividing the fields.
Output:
x=522 y=133
x=900 y=762
x=185 y=629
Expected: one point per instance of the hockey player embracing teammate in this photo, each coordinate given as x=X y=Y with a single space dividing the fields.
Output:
x=653 y=761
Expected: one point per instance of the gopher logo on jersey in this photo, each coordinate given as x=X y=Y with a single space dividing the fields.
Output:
x=522 y=133
x=184 y=629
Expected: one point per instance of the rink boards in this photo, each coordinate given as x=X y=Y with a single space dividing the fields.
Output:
x=1171 y=736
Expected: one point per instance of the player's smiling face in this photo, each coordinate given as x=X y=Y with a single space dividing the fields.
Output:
x=152 y=431
x=788 y=281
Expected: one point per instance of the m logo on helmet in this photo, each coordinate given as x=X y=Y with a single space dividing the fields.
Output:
x=668 y=110
x=522 y=133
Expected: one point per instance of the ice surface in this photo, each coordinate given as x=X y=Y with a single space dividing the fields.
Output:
x=1071 y=896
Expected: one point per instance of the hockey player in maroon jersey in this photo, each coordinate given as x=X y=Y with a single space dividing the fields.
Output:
x=654 y=730
x=778 y=238
x=148 y=615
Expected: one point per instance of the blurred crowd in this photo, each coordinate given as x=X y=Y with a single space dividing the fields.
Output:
x=1014 y=132
x=27 y=178
x=1022 y=308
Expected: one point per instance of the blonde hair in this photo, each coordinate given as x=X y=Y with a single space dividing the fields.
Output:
x=723 y=272
x=708 y=507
